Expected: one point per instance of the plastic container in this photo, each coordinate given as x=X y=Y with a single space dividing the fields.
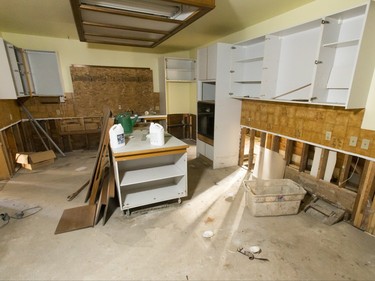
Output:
x=273 y=197
x=116 y=136
x=156 y=134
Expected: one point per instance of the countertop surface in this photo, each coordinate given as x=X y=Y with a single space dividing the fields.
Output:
x=139 y=143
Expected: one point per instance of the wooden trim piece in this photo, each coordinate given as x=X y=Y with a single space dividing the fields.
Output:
x=322 y=164
x=242 y=146
x=344 y=171
x=365 y=194
x=205 y=139
x=251 y=149
x=149 y=154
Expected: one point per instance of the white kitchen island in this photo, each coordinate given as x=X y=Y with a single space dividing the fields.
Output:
x=147 y=174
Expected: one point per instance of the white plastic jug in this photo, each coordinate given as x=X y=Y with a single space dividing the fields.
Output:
x=116 y=136
x=156 y=134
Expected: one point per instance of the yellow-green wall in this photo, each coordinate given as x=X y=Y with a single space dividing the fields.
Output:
x=76 y=52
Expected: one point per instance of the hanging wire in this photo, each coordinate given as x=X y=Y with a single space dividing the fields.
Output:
x=355 y=167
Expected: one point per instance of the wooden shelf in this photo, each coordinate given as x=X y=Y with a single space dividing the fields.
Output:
x=342 y=44
x=246 y=60
x=150 y=175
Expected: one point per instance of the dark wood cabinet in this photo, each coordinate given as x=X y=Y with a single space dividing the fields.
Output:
x=182 y=126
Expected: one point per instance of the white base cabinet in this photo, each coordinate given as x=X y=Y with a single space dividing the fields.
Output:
x=147 y=174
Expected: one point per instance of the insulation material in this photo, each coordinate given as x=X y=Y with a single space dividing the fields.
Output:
x=269 y=164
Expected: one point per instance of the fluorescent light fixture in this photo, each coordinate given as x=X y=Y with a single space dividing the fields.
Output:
x=155 y=8
x=143 y=23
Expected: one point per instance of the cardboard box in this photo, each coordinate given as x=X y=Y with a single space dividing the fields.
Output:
x=35 y=160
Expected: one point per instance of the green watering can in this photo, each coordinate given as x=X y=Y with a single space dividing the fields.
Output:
x=126 y=121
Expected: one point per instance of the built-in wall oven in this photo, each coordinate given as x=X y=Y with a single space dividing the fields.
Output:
x=206 y=121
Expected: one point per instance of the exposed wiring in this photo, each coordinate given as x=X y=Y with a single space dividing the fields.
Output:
x=19 y=215
x=355 y=167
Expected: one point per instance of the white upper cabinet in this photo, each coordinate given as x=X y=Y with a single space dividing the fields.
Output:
x=26 y=73
x=338 y=54
x=289 y=65
x=44 y=73
x=246 y=68
x=179 y=69
x=206 y=59
x=328 y=61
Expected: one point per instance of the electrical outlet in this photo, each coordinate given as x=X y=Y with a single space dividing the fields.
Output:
x=119 y=106
x=10 y=116
x=365 y=144
x=58 y=112
x=328 y=135
x=353 y=141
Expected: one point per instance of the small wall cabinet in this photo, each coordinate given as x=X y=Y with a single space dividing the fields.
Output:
x=325 y=61
x=207 y=58
x=28 y=73
x=174 y=71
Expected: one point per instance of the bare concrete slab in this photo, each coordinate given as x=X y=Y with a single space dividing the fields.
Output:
x=166 y=242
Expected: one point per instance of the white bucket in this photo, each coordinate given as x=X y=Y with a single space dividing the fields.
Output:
x=156 y=134
x=116 y=136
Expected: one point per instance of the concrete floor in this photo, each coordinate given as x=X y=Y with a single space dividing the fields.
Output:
x=166 y=243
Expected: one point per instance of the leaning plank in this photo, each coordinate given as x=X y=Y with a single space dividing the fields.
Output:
x=103 y=198
x=76 y=218
x=112 y=202
x=99 y=155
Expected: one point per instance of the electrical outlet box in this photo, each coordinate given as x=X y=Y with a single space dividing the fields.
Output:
x=365 y=144
x=353 y=141
x=328 y=135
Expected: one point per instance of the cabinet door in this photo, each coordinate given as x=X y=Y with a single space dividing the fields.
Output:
x=202 y=64
x=7 y=86
x=45 y=73
x=14 y=64
x=338 y=56
x=298 y=48
x=211 y=62
x=177 y=69
x=246 y=69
